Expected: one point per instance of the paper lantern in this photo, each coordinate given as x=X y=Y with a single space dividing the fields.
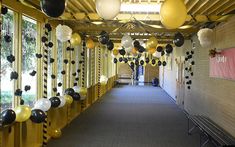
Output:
x=108 y=9
x=63 y=33
x=75 y=39
x=90 y=43
x=173 y=13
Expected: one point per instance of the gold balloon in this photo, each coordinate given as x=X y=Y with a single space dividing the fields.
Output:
x=152 y=43
x=173 y=13
x=56 y=133
x=68 y=99
x=115 y=52
x=152 y=50
x=90 y=43
x=22 y=113
x=83 y=91
x=75 y=39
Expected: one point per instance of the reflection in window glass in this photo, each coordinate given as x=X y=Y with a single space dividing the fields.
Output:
x=59 y=65
x=29 y=61
x=6 y=67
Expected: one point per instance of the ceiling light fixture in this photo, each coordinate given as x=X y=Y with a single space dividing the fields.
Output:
x=141 y=7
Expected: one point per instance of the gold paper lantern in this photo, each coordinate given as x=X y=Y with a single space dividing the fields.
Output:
x=90 y=43
x=75 y=39
x=173 y=14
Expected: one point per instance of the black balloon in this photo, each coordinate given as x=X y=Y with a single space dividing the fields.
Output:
x=27 y=88
x=55 y=102
x=153 y=61
x=14 y=75
x=159 y=63
x=11 y=58
x=104 y=39
x=8 y=116
x=115 y=60
x=122 y=52
x=37 y=116
x=33 y=73
x=178 y=39
x=4 y=10
x=76 y=96
x=162 y=53
x=69 y=91
x=110 y=45
x=125 y=60
x=136 y=62
x=18 y=92
x=141 y=62
x=120 y=59
x=147 y=60
x=7 y=38
x=53 y=8
x=164 y=63
x=141 y=49
x=159 y=48
x=169 y=48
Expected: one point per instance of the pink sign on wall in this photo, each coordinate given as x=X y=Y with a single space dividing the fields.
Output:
x=223 y=65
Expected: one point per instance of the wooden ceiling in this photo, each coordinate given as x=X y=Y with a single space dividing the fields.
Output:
x=82 y=17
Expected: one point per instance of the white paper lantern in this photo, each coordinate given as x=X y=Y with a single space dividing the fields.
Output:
x=126 y=41
x=205 y=36
x=63 y=33
x=108 y=9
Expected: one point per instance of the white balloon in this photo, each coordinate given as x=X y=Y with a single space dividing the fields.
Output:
x=76 y=89
x=44 y=104
x=126 y=41
x=63 y=33
x=108 y=9
x=157 y=54
x=129 y=49
x=103 y=80
x=62 y=101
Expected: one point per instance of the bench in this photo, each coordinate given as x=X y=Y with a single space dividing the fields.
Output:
x=210 y=131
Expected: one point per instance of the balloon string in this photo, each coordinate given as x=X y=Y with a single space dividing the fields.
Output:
x=45 y=75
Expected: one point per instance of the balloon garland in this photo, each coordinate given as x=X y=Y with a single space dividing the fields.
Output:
x=189 y=62
x=83 y=104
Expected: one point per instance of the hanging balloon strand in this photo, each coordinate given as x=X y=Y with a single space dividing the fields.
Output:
x=47 y=29
x=83 y=105
x=99 y=70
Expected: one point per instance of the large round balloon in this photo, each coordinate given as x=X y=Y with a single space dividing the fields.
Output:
x=37 y=116
x=76 y=96
x=178 y=39
x=108 y=9
x=68 y=99
x=169 y=48
x=53 y=8
x=173 y=13
x=110 y=45
x=56 y=133
x=22 y=113
x=75 y=39
x=55 y=102
x=115 y=52
x=44 y=104
x=90 y=43
x=8 y=116
x=126 y=41
x=69 y=91
x=63 y=33
x=152 y=42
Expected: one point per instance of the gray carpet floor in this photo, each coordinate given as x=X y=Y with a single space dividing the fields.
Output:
x=129 y=116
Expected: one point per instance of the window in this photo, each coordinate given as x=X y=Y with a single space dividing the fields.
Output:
x=6 y=67
x=29 y=61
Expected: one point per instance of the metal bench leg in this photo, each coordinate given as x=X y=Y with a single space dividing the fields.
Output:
x=190 y=129
x=203 y=143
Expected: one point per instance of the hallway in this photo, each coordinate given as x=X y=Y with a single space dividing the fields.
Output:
x=129 y=116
